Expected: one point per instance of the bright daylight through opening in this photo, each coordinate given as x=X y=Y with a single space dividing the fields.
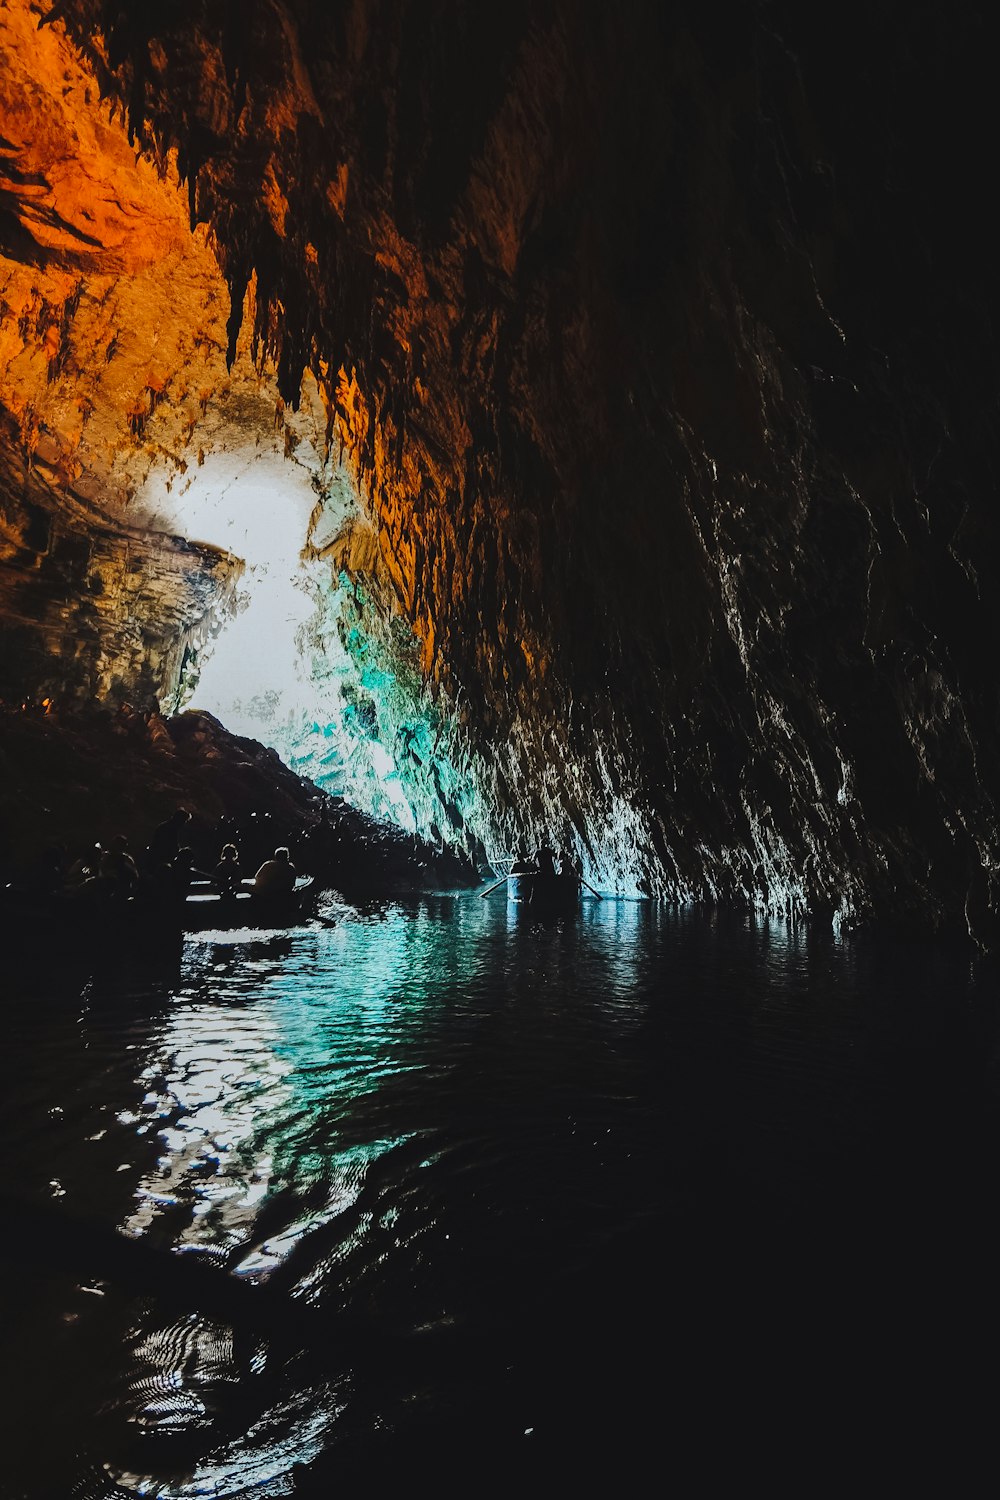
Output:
x=279 y=671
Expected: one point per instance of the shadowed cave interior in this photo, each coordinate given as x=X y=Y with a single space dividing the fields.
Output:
x=548 y=422
x=639 y=394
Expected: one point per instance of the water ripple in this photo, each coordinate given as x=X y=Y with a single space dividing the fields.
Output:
x=420 y=1121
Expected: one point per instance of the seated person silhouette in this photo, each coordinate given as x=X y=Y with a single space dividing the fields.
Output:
x=276 y=876
x=227 y=875
x=165 y=844
x=117 y=869
x=177 y=878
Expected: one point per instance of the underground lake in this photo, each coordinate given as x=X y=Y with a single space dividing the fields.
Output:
x=494 y=1198
x=499 y=748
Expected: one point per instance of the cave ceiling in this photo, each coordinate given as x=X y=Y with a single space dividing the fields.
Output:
x=656 y=342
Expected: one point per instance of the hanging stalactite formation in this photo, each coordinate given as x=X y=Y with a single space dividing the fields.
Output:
x=658 y=340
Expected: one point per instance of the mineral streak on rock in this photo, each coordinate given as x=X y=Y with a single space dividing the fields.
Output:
x=94 y=609
x=115 y=389
x=659 y=340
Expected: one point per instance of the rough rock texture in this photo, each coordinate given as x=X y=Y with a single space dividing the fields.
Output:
x=112 y=367
x=71 y=779
x=661 y=339
x=117 y=401
x=92 y=607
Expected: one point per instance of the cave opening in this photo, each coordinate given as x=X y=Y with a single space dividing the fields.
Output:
x=250 y=674
x=428 y=428
x=292 y=660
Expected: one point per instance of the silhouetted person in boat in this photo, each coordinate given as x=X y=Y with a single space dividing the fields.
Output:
x=173 y=880
x=276 y=876
x=165 y=844
x=117 y=869
x=82 y=870
x=522 y=864
x=569 y=864
x=227 y=875
x=85 y=880
x=545 y=860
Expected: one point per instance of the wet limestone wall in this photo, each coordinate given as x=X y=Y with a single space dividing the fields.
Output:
x=94 y=610
x=661 y=341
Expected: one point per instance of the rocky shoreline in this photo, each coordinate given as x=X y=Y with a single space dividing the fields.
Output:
x=73 y=779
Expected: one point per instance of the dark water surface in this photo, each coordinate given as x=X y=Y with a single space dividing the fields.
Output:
x=428 y=1194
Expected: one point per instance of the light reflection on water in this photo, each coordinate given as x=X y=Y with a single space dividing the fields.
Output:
x=432 y=1116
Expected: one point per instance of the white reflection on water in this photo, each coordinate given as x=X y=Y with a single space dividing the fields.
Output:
x=261 y=1461
x=234 y=1094
x=204 y=1088
x=426 y=1113
x=237 y=1093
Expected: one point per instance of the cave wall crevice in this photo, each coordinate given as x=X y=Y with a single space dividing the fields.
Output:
x=660 y=342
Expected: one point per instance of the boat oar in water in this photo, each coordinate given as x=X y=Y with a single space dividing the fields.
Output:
x=503 y=880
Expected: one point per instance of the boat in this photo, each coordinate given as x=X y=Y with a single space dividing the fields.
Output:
x=204 y=907
x=92 y=919
x=544 y=894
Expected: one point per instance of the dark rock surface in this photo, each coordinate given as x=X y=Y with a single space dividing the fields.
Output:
x=76 y=779
x=662 y=340
x=94 y=607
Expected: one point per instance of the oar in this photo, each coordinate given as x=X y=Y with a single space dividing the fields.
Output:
x=590 y=888
x=495 y=887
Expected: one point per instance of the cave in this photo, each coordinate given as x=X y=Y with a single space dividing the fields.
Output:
x=641 y=389
x=492 y=428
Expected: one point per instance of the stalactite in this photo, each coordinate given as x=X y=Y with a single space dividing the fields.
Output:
x=661 y=369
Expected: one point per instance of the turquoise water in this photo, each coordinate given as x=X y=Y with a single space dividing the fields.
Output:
x=505 y=1193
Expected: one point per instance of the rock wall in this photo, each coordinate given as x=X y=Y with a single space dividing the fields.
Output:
x=94 y=609
x=71 y=780
x=113 y=319
x=660 y=337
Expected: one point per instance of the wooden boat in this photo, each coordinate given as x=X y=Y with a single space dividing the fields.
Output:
x=544 y=894
x=204 y=907
x=92 y=919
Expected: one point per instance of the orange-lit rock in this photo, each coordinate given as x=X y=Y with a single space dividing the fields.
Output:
x=112 y=363
x=665 y=367
x=83 y=199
